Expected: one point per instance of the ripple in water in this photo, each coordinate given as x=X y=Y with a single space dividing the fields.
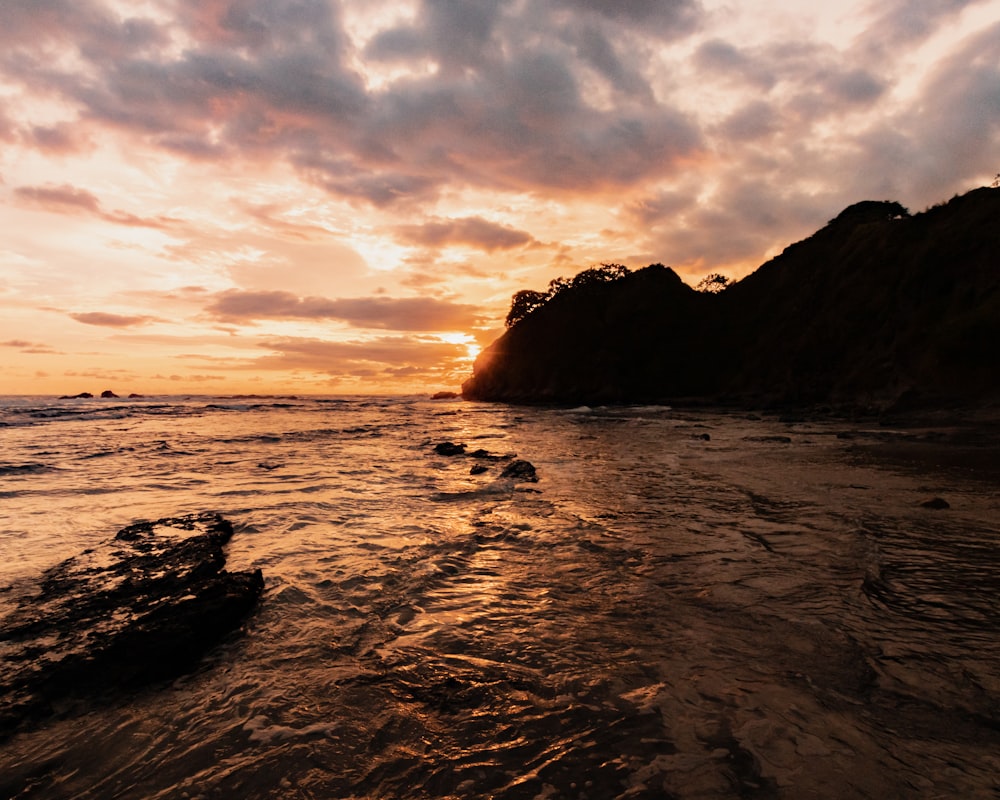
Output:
x=685 y=605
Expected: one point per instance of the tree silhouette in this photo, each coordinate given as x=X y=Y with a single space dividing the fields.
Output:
x=523 y=303
x=713 y=283
x=526 y=301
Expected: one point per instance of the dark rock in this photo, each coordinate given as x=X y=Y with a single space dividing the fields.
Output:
x=937 y=503
x=705 y=437
x=81 y=396
x=520 y=470
x=108 y=394
x=478 y=469
x=449 y=449
x=141 y=608
x=134 y=396
x=486 y=455
x=444 y=395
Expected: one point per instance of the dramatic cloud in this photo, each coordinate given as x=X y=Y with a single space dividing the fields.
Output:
x=305 y=162
x=399 y=314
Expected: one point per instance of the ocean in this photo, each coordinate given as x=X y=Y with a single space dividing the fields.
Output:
x=686 y=604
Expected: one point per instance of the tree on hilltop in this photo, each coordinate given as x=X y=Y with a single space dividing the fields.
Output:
x=713 y=283
x=523 y=303
x=526 y=301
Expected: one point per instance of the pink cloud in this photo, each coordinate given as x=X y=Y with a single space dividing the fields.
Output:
x=63 y=199
x=66 y=199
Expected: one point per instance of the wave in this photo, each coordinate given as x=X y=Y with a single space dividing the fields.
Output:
x=32 y=468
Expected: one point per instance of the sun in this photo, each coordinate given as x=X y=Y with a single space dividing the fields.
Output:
x=472 y=347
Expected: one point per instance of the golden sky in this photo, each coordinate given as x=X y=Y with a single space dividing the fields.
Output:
x=312 y=196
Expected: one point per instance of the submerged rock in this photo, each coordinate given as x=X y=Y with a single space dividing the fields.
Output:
x=81 y=396
x=936 y=503
x=140 y=608
x=520 y=470
x=445 y=395
x=449 y=449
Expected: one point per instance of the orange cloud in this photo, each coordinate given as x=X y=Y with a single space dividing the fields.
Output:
x=106 y=320
x=387 y=313
x=472 y=231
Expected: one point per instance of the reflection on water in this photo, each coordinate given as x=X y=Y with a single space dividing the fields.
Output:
x=685 y=605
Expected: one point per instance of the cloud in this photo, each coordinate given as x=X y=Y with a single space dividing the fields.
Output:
x=720 y=58
x=105 y=320
x=59 y=139
x=694 y=134
x=471 y=231
x=62 y=199
x=668 y=18
x=66 y=199
x=755 y=120
x=30 y=348
x=275 y=81
x=401 y=314
x=360 y=358
x=905 y=22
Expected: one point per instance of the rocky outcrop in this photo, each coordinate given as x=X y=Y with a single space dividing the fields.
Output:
x=876 y=309
x=141 y=608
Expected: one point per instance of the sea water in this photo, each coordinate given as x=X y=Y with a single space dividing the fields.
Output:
x=686 y=604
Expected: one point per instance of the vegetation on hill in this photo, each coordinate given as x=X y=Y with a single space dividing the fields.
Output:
x=875 y=307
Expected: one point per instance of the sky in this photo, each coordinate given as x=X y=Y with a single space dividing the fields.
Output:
x=333 y=197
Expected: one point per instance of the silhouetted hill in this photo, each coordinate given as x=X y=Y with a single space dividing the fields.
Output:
x=877 y=307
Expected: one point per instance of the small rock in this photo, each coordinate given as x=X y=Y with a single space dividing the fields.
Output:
x=449 y=449
x=486 y=455
x=936 y=503
x=108 y=394
x=478 y=469
x=81 y=396
x=520 y=470
x=444 y=395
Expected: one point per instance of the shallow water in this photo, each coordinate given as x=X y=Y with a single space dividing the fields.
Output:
x=689 y=605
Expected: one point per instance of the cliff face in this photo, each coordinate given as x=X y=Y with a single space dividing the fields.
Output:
x=873 y=307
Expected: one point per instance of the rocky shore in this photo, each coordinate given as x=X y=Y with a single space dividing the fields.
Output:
x=140 y=608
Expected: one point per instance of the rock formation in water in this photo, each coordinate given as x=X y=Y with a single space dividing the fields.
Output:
x=877 y=308
x=141 y=608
